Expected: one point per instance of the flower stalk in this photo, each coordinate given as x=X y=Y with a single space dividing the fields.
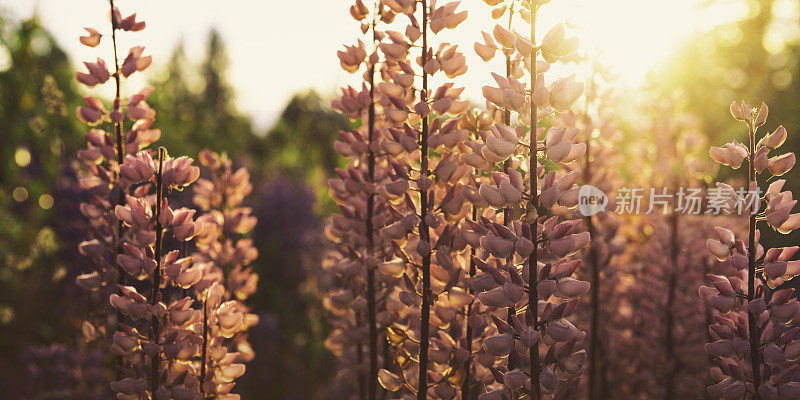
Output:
x=424 y=234
x=155 y=296
x=372 y=386
x=533 y=214
x=768 y=314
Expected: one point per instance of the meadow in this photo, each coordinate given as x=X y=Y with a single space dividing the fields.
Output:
x=505 y=199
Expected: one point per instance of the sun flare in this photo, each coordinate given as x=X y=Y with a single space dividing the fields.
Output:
x=630 y=38
x=633 y=36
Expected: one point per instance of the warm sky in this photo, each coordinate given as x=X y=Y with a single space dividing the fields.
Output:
x=277 y=48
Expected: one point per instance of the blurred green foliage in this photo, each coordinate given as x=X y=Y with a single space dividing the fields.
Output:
x=39 y=135
x=290 y=164
x=754 y=59
x=194 y=105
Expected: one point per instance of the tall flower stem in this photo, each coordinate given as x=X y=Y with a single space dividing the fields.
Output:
x=119 y=138
x=362 y=391
x=755 y=357
x=467 y=384
x=372 y=385
x=709 y=317
x=154 y=297
x=507 y=211
x=533 y=259
x=204 y=354
x=119 y=141
x=425 y=314
x=672 y=284
x=592 y=256
x=594 y=340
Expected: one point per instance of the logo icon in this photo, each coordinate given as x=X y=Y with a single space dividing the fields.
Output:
x=591 y=200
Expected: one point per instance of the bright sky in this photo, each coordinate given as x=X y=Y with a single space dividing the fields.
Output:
x=277 y=48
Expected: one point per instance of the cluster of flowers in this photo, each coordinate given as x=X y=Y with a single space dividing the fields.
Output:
x=753 y=336
x=60 y=371
x=172 y=312
x=658 y=330
x=363 y=301
x=453 y=209
x=156 y=341
x=223 y=255
x=598 y=130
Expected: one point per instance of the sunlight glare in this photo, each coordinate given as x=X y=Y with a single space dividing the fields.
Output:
x=633 y=36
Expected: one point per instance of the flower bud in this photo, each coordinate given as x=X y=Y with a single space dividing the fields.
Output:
x=499 y=344
x=736 y=111
x=134 y=61
x=774 y=139
x=92 y=39
x=761 y=118
x=781 y=164
x=503 y=36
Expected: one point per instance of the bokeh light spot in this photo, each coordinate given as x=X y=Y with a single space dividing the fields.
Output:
x=20 y=194
x=22 y=157
x=5 y=59
x=781 y=79
x=46 y=201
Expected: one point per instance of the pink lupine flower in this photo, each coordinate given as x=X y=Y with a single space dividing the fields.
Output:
x=92 y=39
x=129 y=224
x=451 y=62
x=395 y=50
x=130 y=303
x=487 y=49
x=732 y=154
x=504 y=37
x=91 y=281
x=134 y=61
x=359 y=11
x=98 y=73
x=138 y=108
x=501 y=144
x=179 y=172
x=93 y=112
x=510 y=93
x=138 y=168
x=779 y=206
x=446 y=17
x=181 y=221
x=564 y=92
x=221 y=272
x=505 y=192
x=781 y=164
x=136 y=213
x=779 y=266
x=141 y=136
x=136 y=262
x=556 y=45
x=352 y=57
x=129 y=23
x=774 y=139
x=759 y=354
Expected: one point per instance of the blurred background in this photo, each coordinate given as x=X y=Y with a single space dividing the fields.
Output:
x=254 y=80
